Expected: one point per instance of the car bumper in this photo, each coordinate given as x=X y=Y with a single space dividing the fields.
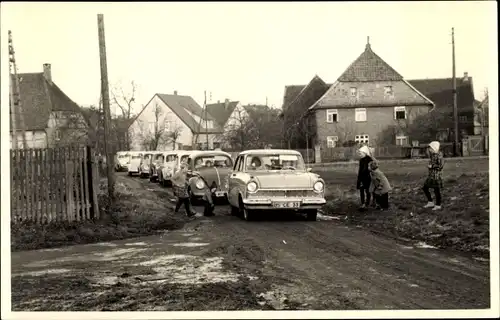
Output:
x=219 y=194
x=145 y=172
x=269 y=204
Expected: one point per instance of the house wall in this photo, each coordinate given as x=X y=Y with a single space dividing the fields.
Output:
x=66 y=128
x=143 y=126
x=238 y=115
x=34 y=139
x=346 y=128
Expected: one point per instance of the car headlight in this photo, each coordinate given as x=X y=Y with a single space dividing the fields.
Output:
x=252 y=186
x=318 y=186
x=200 y=184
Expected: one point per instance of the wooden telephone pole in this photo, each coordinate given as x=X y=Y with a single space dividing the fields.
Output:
x=105 y=105
x=206 y=117
x=15 y=97
x=455 y=109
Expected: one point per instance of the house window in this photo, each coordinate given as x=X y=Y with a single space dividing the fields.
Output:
x=58 y=135
x=360 y=114
x=331 y=141
x=354 y=92
x=362 y=139
x=401 y=140
x=388 y=91
x=331 y=115
x=399 y=113
x=462 y=118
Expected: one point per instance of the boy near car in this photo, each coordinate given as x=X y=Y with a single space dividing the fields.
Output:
x=434 y=179
x=179 y=185
x=380 y=185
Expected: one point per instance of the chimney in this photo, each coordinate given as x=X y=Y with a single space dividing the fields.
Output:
x=226 y=103
x=466 y=76
x=175 y=92
x=47 y=72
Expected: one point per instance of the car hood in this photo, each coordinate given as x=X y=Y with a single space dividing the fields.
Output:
x=211 y=174
x=280 y=180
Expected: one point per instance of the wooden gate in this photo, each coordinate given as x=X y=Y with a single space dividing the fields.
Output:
x=54 y=184
x=475 y=146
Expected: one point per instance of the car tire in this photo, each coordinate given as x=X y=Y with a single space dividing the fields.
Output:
x=248 y=215
x=130 y=173
x=312 y=215
x=235 y=211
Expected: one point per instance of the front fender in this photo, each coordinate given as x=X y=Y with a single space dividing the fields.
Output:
x=192 y=185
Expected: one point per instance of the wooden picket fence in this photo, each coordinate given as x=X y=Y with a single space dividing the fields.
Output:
x=54 y=184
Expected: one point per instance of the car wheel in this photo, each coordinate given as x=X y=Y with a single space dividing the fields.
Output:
x=312 y=215
x=235 y=211
x=130 y=173
x=248 y=215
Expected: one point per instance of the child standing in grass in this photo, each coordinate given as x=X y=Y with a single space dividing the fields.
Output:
x=179 y=184
x=364 y=178
x=380 y=185
x=434 y=179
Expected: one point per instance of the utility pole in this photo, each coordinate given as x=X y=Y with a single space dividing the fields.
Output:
x=16 y=96
x=105 y=106
x=206 y=117
x=455 y=110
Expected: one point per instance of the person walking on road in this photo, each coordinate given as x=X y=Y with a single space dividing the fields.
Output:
x=179 y=184
x=434 y=179
x=380 y=185
x=364 y=178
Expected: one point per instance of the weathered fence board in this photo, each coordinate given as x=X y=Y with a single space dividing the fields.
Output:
x=53 y=184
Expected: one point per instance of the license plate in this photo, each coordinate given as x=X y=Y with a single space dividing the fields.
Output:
x=220 y=193
x=286 y=204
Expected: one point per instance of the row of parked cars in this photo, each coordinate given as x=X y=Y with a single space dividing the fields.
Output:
x=256 y=180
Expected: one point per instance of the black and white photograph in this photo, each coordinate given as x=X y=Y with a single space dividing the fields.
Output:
x=249 y=160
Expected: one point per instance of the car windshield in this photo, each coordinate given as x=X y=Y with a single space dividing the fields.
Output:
x=170 y=158
x=123 y=156
x=158 y=157
x=136 y=156
x=146 y=157
x=184 y=158
x=218 y=161
x=257 y=162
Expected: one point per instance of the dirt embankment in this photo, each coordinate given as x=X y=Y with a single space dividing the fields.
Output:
x=136 y=212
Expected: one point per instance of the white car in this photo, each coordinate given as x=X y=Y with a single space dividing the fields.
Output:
x=146 y=162
x=166 y=168
x=270 y=179
x=122 y=159
x=135 y=162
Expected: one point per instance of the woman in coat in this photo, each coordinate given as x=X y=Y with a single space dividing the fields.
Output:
x=364 y=178
x=434 y=179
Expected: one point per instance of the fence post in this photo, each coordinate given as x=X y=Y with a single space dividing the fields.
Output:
x=94 y=214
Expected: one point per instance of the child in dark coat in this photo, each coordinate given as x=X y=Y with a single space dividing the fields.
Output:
x=380 y=185
x=364 y=178
x=434 y=179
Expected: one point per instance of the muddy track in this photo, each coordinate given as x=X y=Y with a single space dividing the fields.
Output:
x=327 y=265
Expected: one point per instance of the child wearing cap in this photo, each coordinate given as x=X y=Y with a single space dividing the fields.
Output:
x=380 y=185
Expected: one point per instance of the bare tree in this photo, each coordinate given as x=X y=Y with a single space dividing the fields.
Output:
x=153 y=135
x=70 y=128
x=239 y=132
x=125 y=101
x=174 y=133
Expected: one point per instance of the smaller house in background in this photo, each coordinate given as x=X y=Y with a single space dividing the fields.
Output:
x=51 y=118
x=440 y=91
x=230 y=116
x=481 y=115
x=172 y=121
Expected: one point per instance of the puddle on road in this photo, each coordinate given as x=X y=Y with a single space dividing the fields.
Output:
x=481 y=259
x=195 y=239
x=104 y=244
x=188 y=234
x=322 y=217
x=118 y=253
x=424 y=245
x=190 y=244
x=180 y=269
x=136 y=244
x=42 y=272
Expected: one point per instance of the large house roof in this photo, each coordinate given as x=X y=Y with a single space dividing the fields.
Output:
x=221 y=111
x=39 y=98
x=184 y=107
x=314 y=90
x=369 y=67
x=440 y=91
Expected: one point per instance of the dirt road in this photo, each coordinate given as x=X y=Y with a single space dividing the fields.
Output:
x=223 y=262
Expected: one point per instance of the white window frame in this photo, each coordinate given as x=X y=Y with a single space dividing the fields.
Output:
x=388 y=91
x=399 y=109
x=362 y=139
x=331 y=141
x=358 y=112
x=400 y=138
x=58 y=135
x=353 y=92
x=330 y=113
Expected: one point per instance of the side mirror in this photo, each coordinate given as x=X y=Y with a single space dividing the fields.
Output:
x=309 y=169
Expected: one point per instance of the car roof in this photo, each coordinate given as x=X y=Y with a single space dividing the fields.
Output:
x=209 y=153
x=269 y=151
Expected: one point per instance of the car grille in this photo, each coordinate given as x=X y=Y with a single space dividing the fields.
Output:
x=285 y=193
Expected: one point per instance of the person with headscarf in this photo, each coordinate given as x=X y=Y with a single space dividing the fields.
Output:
x=434 y=179
x=381 y=186
x=179 y=185
x=364 y=178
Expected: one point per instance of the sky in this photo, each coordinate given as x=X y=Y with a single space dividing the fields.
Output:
x=245 y=51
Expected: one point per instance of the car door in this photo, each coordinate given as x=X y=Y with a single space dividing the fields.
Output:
x=233 y=183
